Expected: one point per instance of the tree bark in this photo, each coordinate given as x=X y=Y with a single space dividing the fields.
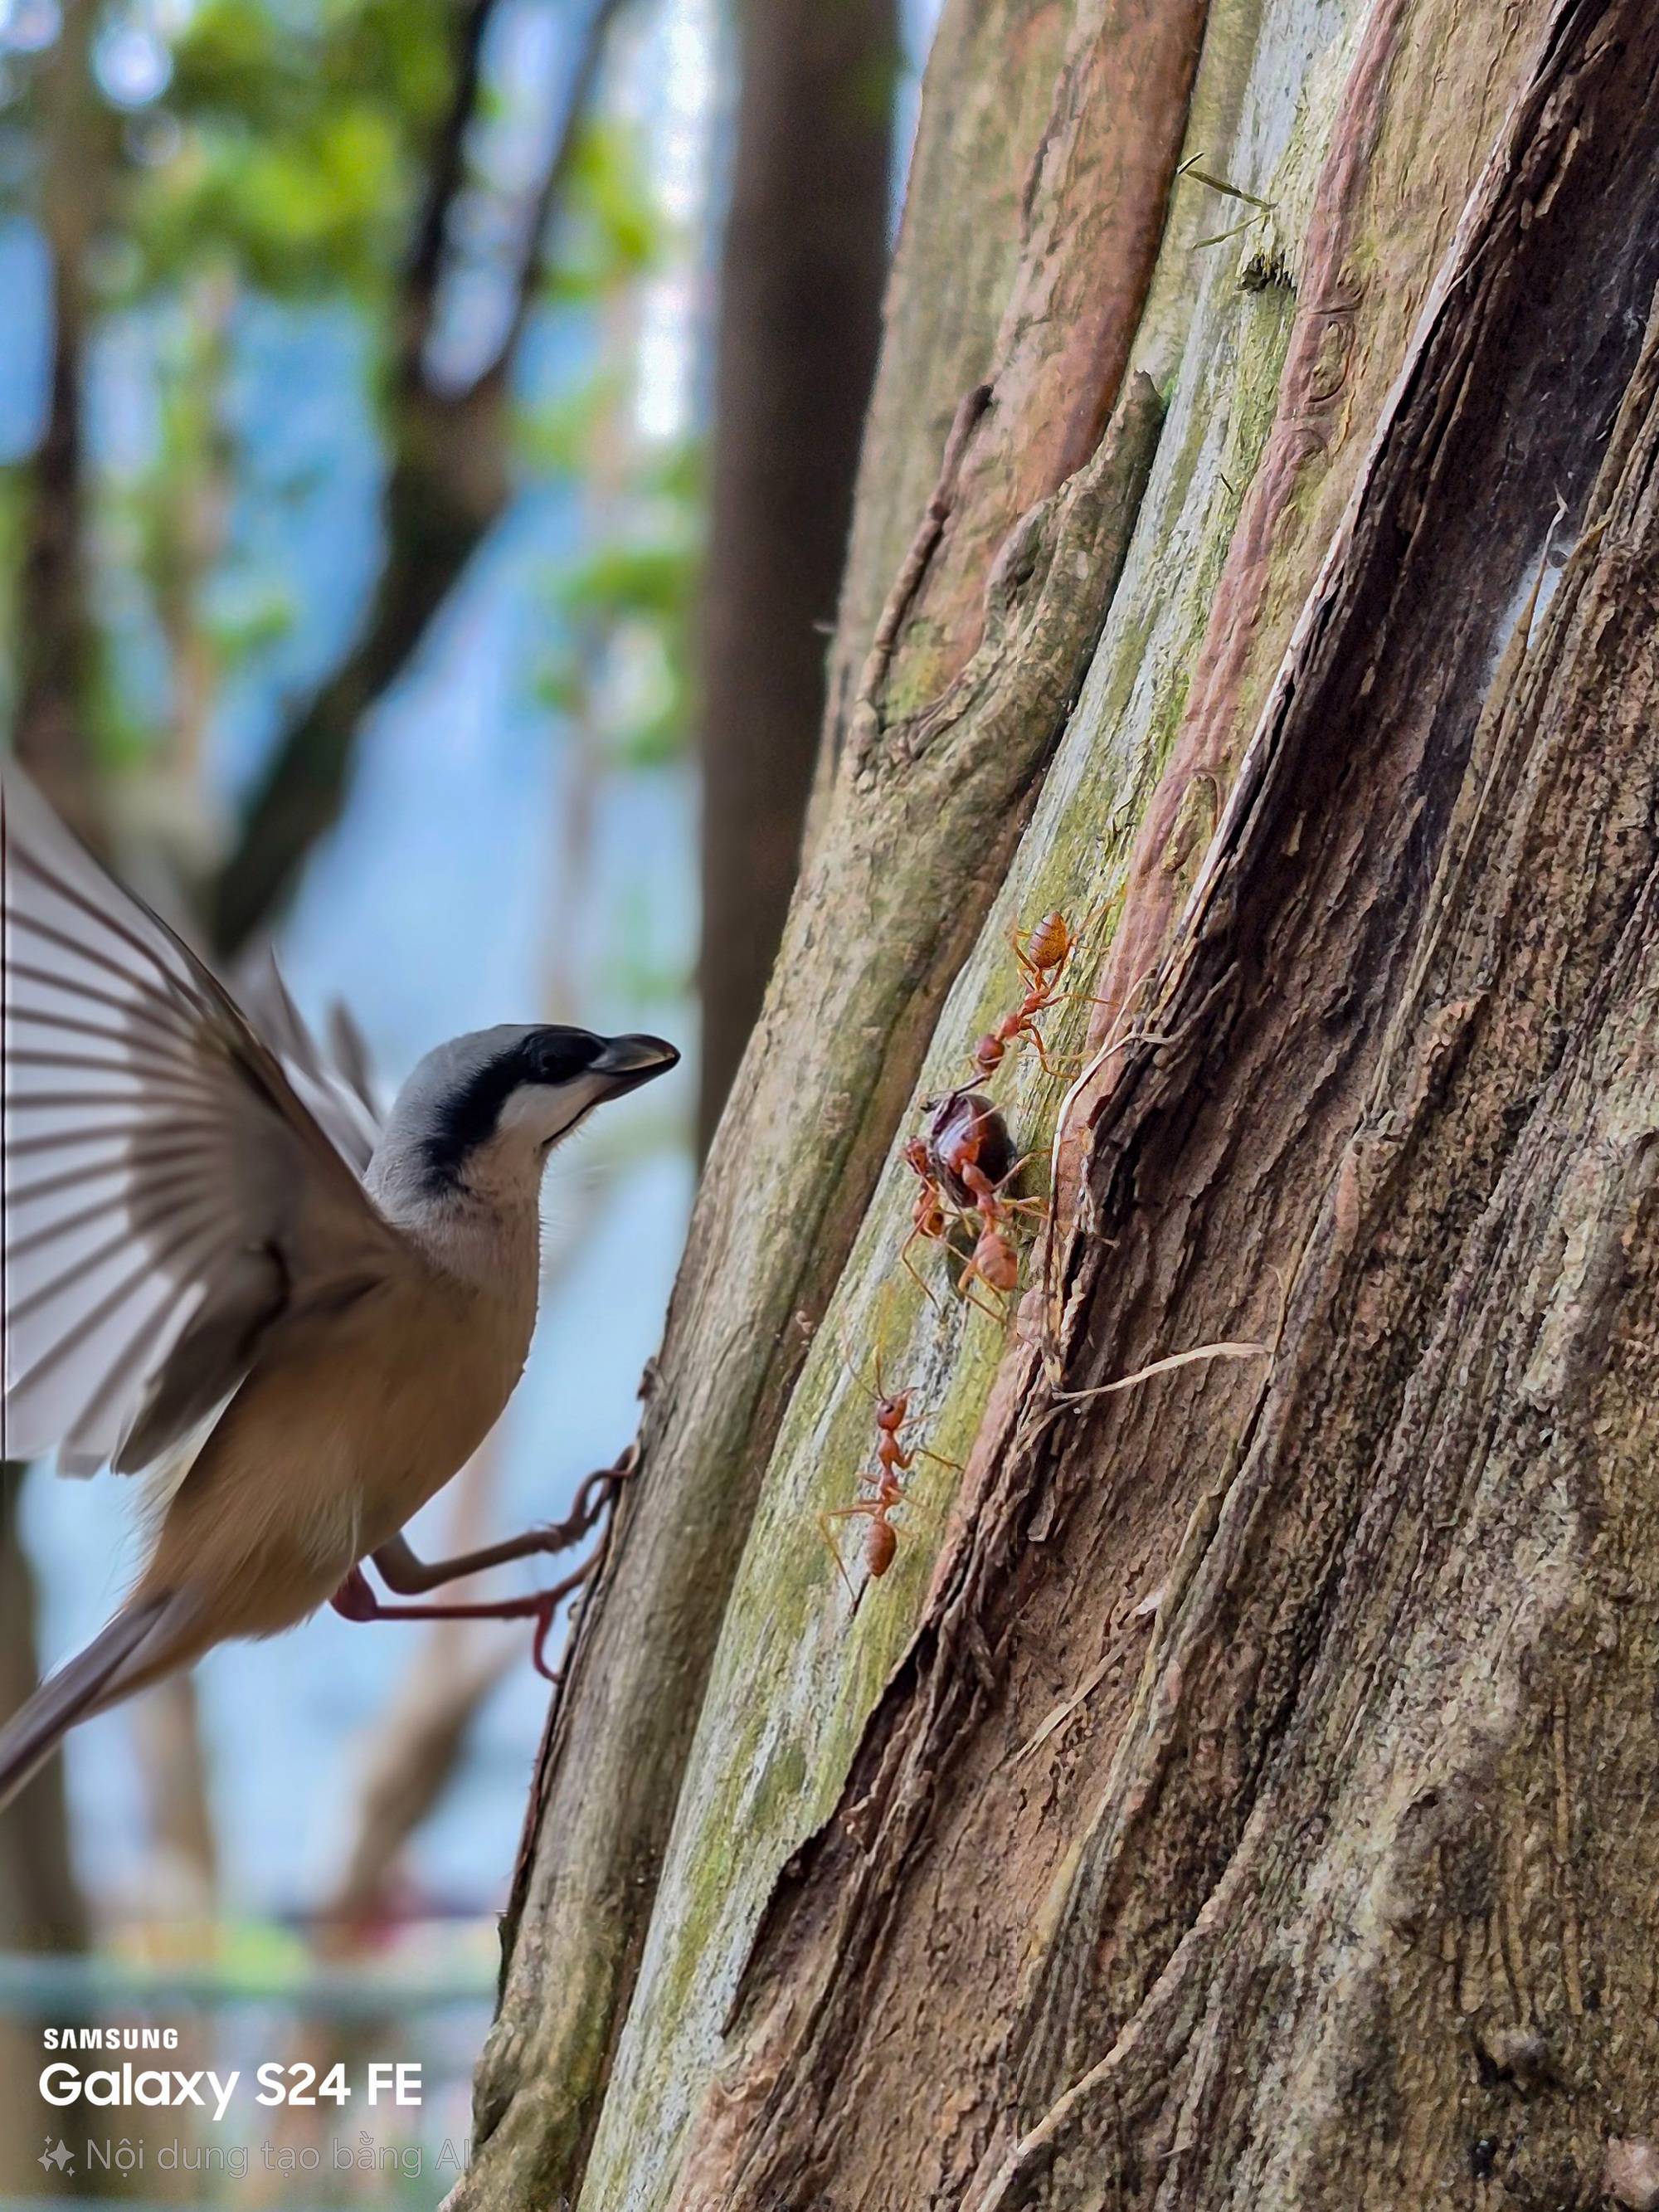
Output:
x=801 y=278
x=1237 y=1791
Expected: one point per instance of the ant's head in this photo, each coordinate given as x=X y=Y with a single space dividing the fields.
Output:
x=892 y=1412
x=915 y=1154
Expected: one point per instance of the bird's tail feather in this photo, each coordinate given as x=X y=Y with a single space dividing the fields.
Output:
x=35 y=1731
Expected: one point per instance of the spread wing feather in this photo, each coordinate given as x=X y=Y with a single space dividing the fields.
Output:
x=337 y=1090
x=168 y=1192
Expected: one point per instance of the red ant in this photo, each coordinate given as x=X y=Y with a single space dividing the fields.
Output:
x=893 y=1463
x=928 y=1219
x=965 y=1162
x=1041 y=958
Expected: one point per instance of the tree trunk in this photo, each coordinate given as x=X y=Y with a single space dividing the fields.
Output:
x=806 y=255
x=1237 y=1791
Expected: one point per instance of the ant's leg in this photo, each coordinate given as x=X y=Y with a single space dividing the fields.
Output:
x=971 y=1274
x=1053 y=1065
x=409 y=1575
x=840 y=1513
x=1028 y=967
x=909 y=1266
x=1054 y=1068
x=1001 y=1205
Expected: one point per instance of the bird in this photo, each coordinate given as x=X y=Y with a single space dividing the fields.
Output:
x=218 y=1272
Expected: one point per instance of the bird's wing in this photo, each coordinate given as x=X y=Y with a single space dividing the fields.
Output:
x=335 y=1085
x=167 y=1194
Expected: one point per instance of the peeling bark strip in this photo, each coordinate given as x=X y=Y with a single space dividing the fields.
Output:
x=1094 y=205
x=962 y=200
x=1315 y=392
x=935 y=806
x=1413 y=1088
x=1041 y=189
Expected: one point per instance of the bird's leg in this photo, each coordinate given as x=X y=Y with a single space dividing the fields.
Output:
x=356 y=1599
x=409 y=1577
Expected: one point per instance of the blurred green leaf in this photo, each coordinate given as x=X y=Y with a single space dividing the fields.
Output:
x=622 y=611
x=304 y=143
x=609 y=232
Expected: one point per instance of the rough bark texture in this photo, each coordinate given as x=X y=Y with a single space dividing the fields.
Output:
x=1237 y=1791
x=1092 y=213
x=1228 y=1957
x=624 y=1722
x=986 y=102
x=801 y=277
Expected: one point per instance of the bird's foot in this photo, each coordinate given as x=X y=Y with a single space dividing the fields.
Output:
x=356 y=1599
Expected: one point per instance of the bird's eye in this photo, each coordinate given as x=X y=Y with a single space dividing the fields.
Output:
x=562 y=1054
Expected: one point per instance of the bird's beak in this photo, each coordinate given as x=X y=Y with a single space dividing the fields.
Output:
x=628 y=1062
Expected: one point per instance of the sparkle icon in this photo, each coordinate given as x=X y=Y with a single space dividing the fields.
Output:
x=60 y=2158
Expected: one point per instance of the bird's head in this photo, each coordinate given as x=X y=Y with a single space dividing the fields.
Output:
x=482 y=1112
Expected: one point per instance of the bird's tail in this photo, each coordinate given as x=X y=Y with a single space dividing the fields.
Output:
x=36 y=1730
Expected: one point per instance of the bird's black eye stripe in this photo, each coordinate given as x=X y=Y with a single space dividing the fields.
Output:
x=468 y=1119
x=555 y=1055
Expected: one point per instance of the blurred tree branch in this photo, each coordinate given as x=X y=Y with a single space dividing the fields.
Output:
x=804 y=266
x=449 y=482
x=56 y=646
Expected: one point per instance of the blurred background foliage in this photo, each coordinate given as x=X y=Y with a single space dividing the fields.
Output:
x=370 y=372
